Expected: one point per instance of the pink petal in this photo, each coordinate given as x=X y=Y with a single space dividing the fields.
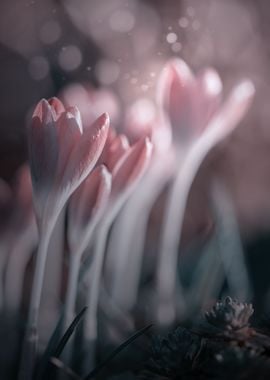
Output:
x=131 y=167
x=84 y=155
x=176 y=97
x=57 y=107
x=69 y=134
x=208 y=96
x=90 y=198
x=43 y=152
x=118 y=148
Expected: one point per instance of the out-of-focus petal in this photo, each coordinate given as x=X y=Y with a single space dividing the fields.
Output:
x=229 y=115
x=91 y=102
x=115 y=147
x=85 y=154
x=208 y=97
x=175 y=96
x=88 y=202
x=88 y=198
x=132 y=166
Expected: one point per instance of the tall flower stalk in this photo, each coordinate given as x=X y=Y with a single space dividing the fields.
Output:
x=199 y=123
x=125 y=176
x=86 y=208
x=61 y=154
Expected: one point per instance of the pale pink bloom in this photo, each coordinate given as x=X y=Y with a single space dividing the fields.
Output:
x=130 y=167
x=91 y=101
x=86 y=208
x=192 y=110
x=116 y=146
x=187 y=102
x=126 y=174
x=126 y=254
x=62 y=152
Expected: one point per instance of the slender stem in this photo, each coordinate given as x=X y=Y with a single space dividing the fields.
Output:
x=90 y=322
x=125 y=255
x=218 y=128
x=31 y=335
x=130 y=249
x=73 y=277
x=69 y=310
x=168 y=255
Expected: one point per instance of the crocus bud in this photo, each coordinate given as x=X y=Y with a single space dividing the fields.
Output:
x=62 y=153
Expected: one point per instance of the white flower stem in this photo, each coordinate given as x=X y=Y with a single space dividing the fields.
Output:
x=90 y=321
x=73 y=277
x=69 y=310
x=125 y=255
x=31 y=335
x=218 y=128
x=170 y=239
x=132 y=227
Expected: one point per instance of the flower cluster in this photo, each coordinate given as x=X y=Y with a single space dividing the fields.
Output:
x=97 y=185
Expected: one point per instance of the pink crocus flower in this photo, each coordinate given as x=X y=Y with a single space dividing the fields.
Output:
x=198 y=120
x=86 y=207
x=126 y=174
x=62 y=153
x=125 y=255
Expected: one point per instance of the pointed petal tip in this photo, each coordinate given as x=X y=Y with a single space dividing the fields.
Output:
x=105 y=119
x=56 y=105
x=103 y=170
x=179 y=67
x=42 y=109
x=75 y=113
x=212 y=82
x=245 y=90
x=148 y=146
